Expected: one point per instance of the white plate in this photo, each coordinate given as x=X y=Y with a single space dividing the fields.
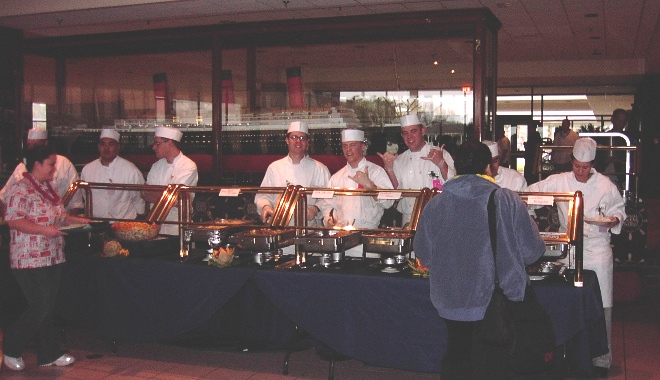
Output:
x=600 y=221
x=389 y=270
x=537 y=278
x=78 y=226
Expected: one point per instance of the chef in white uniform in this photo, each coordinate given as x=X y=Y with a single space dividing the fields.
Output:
x=173 y=167
x=65 y=172
x=505 y=177
x=297 y=168
x=422 y=165
x=112 y=169
x=358 y=211
x=604 y=206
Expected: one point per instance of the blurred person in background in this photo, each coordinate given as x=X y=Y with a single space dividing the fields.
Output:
x=565 y=136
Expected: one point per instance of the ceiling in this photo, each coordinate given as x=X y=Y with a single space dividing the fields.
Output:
x=547 y=42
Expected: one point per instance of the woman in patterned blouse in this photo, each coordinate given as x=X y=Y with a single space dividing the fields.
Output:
x=34 y=215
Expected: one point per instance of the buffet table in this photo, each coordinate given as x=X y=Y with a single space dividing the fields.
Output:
x=382 y=319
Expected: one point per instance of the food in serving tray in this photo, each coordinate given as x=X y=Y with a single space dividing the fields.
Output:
x=417 y=268
x=222 y=256
x=135 y=231
x=113 y=248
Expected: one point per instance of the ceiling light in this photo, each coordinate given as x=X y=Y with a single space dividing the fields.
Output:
x=453 y=71
x=435 y=62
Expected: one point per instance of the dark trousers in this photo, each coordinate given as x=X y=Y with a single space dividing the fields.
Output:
x=469 y=358
x=36 y=323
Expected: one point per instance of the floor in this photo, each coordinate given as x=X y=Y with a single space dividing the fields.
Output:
x=636 y=349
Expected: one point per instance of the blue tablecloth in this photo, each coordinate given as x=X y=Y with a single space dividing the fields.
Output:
x=381 y=319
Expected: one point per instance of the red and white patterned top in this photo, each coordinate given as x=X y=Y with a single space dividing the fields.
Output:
x=26 y=251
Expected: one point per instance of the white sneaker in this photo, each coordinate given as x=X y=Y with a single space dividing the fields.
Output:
x=62 y=361
x=15 y=364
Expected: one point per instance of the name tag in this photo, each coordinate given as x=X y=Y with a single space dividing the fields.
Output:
x=229 y=192
x=323 y=194
x=542 y=200
x=389 y=195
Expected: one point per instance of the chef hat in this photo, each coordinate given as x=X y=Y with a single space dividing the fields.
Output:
x=352 y=135
x=37 y=134
x=492 y=145
x=110 y=134
x=298 y=126
x=169 y=133
x=408 y=120
x=585 y=149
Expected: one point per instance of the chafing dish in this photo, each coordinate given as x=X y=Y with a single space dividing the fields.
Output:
x=394 y=243
x=555 y=250
x=263 y=239
x=328 y=241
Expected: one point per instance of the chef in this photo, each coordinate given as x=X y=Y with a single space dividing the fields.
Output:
x=65 y=172
x=357 y=211
x=297 y=168
x=112 y=169
x=173 y=167
x=422 y=165
x=505 y=177
x=604 y=213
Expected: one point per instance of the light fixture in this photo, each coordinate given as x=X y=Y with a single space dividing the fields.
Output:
x=435 y=62
x=452 y=71
x=465 y=89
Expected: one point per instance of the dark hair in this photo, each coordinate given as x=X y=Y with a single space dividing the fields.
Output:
x=37 y=154
x=472 y=157
x=619 y=111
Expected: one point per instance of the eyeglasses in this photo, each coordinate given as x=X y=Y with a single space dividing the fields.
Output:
x=300 y=137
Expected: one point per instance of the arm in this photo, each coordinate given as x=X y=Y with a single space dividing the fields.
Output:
x=388 y=164
x=29 y=227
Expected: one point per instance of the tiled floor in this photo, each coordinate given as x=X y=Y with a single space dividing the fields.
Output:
x=636 y=349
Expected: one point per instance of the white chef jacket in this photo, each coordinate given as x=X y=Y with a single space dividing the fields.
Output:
x=364 y=210
x=65 y=175
x=283 y=172
x=115 y=204
x=598 y=192
x=182 y=171
x=510 y=179
x=414 y=173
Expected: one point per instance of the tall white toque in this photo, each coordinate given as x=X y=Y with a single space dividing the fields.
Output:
x=584 y=149
x=110 y=134
x=408 y=120
x=298 y=126
x=492 y=145
x=352 y=135
x=37 y=134
x=169 y=133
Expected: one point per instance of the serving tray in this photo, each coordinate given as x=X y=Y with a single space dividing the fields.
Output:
x=328 y=241
x=263 y=239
